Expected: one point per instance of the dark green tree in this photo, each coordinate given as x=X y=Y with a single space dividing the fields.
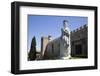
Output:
x=32 y=52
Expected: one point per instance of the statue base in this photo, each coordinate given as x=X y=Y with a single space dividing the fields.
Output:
x=67 y=57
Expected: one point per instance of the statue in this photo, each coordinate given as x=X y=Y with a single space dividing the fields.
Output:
x=65 y=51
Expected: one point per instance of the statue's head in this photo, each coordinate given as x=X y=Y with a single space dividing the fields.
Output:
x=65 y=23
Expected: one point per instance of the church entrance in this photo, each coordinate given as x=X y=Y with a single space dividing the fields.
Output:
x=78 y=49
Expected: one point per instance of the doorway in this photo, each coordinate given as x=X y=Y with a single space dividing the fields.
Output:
x=78 y=49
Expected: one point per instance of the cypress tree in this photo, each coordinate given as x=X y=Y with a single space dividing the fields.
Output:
x=32 y=53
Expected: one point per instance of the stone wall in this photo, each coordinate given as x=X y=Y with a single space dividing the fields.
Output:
x=79 y=42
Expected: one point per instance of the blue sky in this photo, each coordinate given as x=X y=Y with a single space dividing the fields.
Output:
x=40 y=25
